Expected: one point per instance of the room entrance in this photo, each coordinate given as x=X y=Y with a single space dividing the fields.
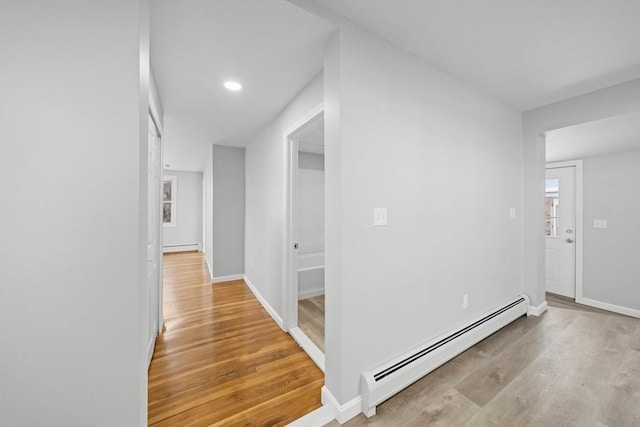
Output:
x=560 y=230
x=305 y=314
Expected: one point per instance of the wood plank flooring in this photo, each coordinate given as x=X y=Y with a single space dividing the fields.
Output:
x=572 y=366
x=311 y=319
x=560 y=301
x=221 y=359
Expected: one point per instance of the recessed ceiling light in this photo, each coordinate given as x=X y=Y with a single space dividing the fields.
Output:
x=231 y=85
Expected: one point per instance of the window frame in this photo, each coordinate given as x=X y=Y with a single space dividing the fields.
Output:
x=173 y=180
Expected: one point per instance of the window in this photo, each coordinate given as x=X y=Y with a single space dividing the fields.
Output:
x=169 y=198
x=552 y=189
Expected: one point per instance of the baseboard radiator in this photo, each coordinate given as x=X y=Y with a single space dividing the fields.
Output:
x=381 y=383
x=182 y=248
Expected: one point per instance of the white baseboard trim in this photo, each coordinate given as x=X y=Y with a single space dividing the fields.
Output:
x=311 y=293
x=209 y=267
x=150 y=348
x=342 y=413
x=182 y=248
x=537 y=310
x=308 y=346
x=609 y=307
x=318 y=418
x=228 y=278
x=276 y=317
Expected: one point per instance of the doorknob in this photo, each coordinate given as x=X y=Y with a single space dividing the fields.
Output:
x=569 y=240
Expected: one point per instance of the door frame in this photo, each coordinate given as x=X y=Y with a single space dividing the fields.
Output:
x=290 y=264
x=579 y=220
x=290 y=273
x=153 y=113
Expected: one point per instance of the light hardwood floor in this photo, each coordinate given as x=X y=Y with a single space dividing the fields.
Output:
x=221 y=359
x=570 y=367
x=311 y=319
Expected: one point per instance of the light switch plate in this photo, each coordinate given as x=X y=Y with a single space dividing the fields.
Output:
x=379 y=216
x=599 y=223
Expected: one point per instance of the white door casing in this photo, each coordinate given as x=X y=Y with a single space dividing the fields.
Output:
x=560 y=230
x=154 y=276
x=290 y=293
x=291 y=236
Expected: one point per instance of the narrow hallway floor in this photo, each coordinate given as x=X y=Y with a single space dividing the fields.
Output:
x=221 y=359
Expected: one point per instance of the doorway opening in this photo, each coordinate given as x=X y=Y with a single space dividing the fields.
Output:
x=305 y=312
x=563 y=228
x=563 y=215
x=604 y=155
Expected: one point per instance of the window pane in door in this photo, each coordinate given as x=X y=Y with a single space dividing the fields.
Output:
x=551 y=206
x=166 y=213
x=166 y=193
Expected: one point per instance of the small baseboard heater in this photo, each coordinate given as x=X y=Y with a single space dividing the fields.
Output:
x=182 y=248
x=380 y=384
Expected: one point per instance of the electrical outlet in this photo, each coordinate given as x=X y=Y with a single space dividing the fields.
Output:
x=465 y=301
x=599 y=223
x=379 y=216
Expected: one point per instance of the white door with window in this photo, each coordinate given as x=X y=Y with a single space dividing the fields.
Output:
x=560 y=231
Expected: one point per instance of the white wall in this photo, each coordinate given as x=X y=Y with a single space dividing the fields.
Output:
x=183 y=150
x=612 y=192
x=228 y=199
x=311 y=161
x=74 y=301
x=310 y=210
x=613 y=101
x=187 y=233
x=334 y=366
x=445 y=160
x=208 y=209
x=265 y=197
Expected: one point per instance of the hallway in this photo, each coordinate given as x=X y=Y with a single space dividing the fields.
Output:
x=221 y=359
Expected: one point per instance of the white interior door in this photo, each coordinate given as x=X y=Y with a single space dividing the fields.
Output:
x=153 y=232
x=560 y=231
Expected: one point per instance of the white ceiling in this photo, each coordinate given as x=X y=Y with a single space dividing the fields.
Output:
x=272 y=47
x=527 y=53
x=607 y=136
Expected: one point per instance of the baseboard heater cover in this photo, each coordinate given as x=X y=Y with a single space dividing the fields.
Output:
x=381 y=383
x=182 y=248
